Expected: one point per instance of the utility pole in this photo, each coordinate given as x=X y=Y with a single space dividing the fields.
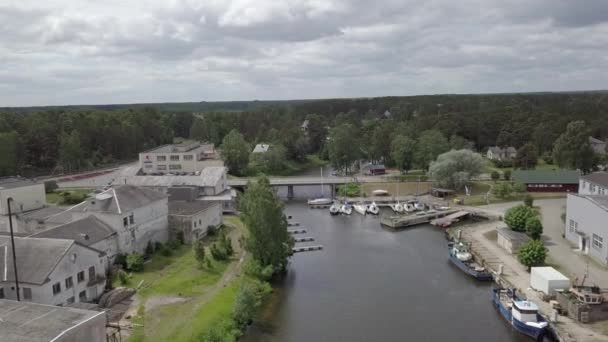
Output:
x=10 y=223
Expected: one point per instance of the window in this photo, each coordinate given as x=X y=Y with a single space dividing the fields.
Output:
x=597 y=242
x=161 y=167
x=188 y=157
x=148 y=166
x=82 y=296
x=125 y=221
x=70 y=300
x=27 y=293
x=592 y=188
x=200 y=221
x=69 y=282
x=175 y=167
x=573 y=226
x=91 y=273
x=194 y=224
x=131 y=219
x=80 y=276
x=174 y=157
x=1 y=292
x=161 y=158
x=56 y=289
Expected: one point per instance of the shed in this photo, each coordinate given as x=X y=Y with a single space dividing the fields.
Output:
x=374 y=169
x=511 y=240
x=548 y=180
x=547 y=280
x=442 y=193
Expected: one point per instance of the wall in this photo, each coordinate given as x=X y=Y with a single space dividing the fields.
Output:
x=588 y=188
x=108 y=246
x=24 y=198
x=591 y=220
x=189 y=166
x=91 y=330
x=532 y=187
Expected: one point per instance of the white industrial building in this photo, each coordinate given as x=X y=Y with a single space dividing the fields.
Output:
x=586 y=218
x=186 y=157
x=26 y=194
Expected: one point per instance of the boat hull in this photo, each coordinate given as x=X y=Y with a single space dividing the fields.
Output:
x=533 y=332
x=479 y=275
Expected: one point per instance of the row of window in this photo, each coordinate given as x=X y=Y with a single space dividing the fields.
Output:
x=594 y=189
x=171 y=167
x=69 y=282
x=174 y=157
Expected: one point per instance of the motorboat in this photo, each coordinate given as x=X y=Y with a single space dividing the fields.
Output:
x=320 y=201
x=373 y=209
x=346 y=209
x=360 y=208
x=521 y=314
x=409 y=207
x=461 y=256
x=418 y=205
x=397 y=207
x=334 y=209
x=380 y=192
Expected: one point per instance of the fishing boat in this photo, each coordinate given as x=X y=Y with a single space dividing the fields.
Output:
x=521 y=314
x=334 y=209
x=346 y=209
x=461 y=256
x=373 y=209
x=360 y=208
x=380 y=192
x=320 y=201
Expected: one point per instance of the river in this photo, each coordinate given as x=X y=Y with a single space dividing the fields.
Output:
x=373 y=284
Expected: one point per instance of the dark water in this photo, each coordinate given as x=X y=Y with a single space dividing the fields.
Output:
x=372 y=284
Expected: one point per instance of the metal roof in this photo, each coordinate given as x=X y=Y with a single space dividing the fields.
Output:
x=124 y=198
x=546 y=176
x=513 y=235
x=87 y=231
x=261 y=148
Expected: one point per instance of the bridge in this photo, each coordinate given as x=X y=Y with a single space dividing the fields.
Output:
x=304 y=180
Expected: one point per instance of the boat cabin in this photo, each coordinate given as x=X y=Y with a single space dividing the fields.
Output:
x=525 y=311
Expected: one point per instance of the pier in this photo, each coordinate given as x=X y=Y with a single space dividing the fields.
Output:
x=307 y=248
x=297 y=231
x=304 y=239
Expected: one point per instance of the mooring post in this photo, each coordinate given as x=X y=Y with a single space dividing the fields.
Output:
x=459 y=234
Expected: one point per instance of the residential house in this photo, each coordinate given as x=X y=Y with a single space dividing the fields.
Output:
x=187 y=157
x=499 y=153
x=26 y=194
x=548 y=180
x=594 y=184
x=261 y=148
x=51 y=271
x=586 y=218
x=598 y=146
x=192 y=218
x=31 y=322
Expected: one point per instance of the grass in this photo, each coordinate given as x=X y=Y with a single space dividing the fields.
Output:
x=55 y=197
x=541 y=165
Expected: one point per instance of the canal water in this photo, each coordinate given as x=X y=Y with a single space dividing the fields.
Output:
x=373 y=284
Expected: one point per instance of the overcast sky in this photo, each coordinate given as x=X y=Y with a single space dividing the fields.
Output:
x=106 y=51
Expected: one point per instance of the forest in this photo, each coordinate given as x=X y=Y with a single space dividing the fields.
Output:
x=39 y=140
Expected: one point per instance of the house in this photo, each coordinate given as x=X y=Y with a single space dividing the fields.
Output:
x=51 y=271
x=511 y=240
x=598 y=146
x=26 y=194
x=261 y=148
x=31 y=322
x=374 y=169
x=499 y=153
x=548 y=180
x=594 y=184
x=586 y=218
x=137 y=214
x=186 y=157
x=88 y=231
x=192 y=218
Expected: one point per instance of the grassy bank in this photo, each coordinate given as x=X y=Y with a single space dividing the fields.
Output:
x=56 y=197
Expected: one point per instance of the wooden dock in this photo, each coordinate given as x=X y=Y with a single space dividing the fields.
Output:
x=307 y=248
x=403 y=221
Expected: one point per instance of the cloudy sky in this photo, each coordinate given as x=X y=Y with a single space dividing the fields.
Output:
x=116 y=51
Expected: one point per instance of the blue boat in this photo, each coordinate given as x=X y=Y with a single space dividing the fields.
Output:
x=461 y=256
x=521 y=314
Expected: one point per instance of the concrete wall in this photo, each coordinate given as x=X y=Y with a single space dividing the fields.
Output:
x=24 y=198
x=91 y=330
x=590 y=219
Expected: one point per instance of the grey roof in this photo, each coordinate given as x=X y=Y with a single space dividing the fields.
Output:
x=15 y=182
x=513 y=235
x=261 y=148
x=546 y=176
x=31 y=322
x=593 y=140
x=209 y=177
x=36 y=258
x=188 y=208
x=499 y=150
x=120 y=199
x=600 y=201
x=495 y=149
x=87 y=231
x=183 y=147
x=599 y=178
x=40 y=214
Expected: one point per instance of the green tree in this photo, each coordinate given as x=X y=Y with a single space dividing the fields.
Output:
x=271 y=161
x=268 y=242
x=343 y=146
x=527 y=157
x=529 y=201
x=455 y=169
x=516 y=217
x=502 y=190
x=235 y=152
x=572 y=149
x=431 y=144
x=135 y=262
x=317 y=132
x=495 y=175
x=532 y=254
x=10 y=152
x=71 y=155
x=459 y=143
x=534 y=228
x=506 y=174
x=403 y=149
x=198 y=130
x=199 y=251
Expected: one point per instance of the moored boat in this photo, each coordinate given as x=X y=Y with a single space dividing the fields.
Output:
x=409 y=207
x=461 y=256
x=419 y=205
x=320 y=201
x=373 y=209
x=397 y=207
x=360 y=208
x=334 y=209
x=521 y=314
x=380 y=192
x=346 y=209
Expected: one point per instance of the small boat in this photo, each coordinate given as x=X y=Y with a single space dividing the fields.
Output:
x=360 y=208
x=521 y=314
x=334 y=209
x=346 y=209
x=397 y=207
x=461 y=256
x=373 y=209
x=409 y=207
x=418 y=205
x=320 y=201
x=380 y=192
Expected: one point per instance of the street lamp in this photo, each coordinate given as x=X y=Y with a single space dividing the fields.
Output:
x=10 y=223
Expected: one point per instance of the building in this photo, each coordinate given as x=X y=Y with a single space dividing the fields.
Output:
x=51 y=271
x=192 y=218
x=261 y=148
x=499 y=153
x=586 y=218
x=594 y=184
x=511 y=240
x=598 y=146
x=304 y=126
x=26 y=194
x=36 y=220
x=548 y=180
x=187 y=157
x=374 y=169
x=30 y=322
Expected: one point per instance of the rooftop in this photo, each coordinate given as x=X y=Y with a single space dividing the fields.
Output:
x=600 y=201
x=40 y=214
x=122 y=198
x=546 y=176
x=513 y=235
x=182 y=147
x=15 y=182
x=188 y=208
x=599 y=178
x=209 y=177
x=30 y=322
x=87 y=231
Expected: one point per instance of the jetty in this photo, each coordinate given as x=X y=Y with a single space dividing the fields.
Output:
x=293 y=223
x=297 y=231
x=304 y=239
x=448 y=220
x=307 y=248
x=403 y=221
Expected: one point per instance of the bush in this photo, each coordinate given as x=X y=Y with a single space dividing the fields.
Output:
x=534 y=228
x=158 y=246
x=255 y=270
x=173 y=244
x=123 y=277
x=529 y=201
x=211 y=230
x=502 y=190
x=520 y=188
x=225 y=243
x=517 y=217
x=547 y=158
x=199 y=251
x=149 y=249
x=495 y=175
x=71 y=198
x=165 y=250
x=532 y=254
x=50 y=186
x=135 y=262
x=507 y=175
x=349 y=190
x=121 y=260
x=218 y=252
x=248 y=300
x=501 y=164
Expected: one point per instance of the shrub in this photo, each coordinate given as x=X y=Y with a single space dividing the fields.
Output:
x=158 y=246
x=173 y=244
x=50 y=186
x=349 y=190
x=121 y=259
x=548 y=158
x=211 y=230
x=529 y=200
x=495 y=175
x=255 y=270
x=199 y=251
x=507 y=175
x=534 y=228
x=165 y=250
x=502 y=163
x=248 y=300
x=135 y=262
x=502 y=190
x=218 y=252
x=149 y=249
x=123 y=277
x=71 y=198
x=519 y=188
x=532 y=254
x=517 y=217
